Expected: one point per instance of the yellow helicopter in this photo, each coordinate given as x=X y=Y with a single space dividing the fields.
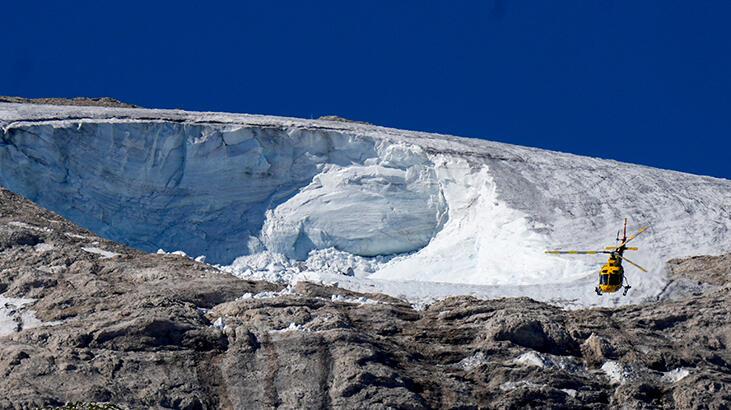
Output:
x=611 y=277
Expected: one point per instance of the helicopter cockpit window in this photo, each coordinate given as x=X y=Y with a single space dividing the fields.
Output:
x=603 y=279
x=615 y=280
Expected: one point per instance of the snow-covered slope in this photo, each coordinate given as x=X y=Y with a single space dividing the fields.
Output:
x=412 y=214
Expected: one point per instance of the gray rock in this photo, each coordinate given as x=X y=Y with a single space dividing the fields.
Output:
x=596 y=350
x=163 y=331
x=9 y=239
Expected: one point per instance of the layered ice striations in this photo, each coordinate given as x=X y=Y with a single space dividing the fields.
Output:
x=209 y=189
x=432 y=215
x=388 y=204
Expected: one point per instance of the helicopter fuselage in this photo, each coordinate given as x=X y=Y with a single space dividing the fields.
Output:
x=611 y=275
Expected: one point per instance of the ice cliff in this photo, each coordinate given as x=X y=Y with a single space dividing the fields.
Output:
x=413 y=214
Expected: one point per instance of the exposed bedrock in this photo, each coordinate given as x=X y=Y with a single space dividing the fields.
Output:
x=86 y=319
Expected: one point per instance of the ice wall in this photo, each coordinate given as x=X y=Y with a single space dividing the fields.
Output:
x=443 y=210
x=208 y=189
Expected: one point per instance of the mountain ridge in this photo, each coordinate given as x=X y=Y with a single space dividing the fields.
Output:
x=80 y=112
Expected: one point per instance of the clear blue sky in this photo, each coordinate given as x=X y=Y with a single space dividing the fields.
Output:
x=638 y=81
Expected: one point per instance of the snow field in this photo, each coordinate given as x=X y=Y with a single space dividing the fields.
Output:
x=415 y=215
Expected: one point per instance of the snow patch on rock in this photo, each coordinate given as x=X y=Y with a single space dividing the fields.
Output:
x=471 y=362
x=43 y=247
x=508 y=386
x=293 y=327
x=362 y=300
x=675 y=375
x=268 y=294
x=101 y=252
x=15 y=315
x=533 y=359
x=547 y=361
x=617 y=372
x=24 y=225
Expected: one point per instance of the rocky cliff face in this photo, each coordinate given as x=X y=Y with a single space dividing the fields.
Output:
x=87 y=319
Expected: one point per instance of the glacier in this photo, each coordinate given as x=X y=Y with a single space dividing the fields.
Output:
x=413 y=214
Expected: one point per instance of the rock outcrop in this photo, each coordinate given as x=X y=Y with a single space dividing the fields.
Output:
x=78 y=101
x=94 y=321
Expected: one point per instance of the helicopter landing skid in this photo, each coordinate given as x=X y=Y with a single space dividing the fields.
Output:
x=598 y=291
x=626 y=287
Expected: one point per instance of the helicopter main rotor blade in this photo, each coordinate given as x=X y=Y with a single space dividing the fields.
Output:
x=635 y=235
x=576 y=252
x=633 y=264
x=628 y=248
